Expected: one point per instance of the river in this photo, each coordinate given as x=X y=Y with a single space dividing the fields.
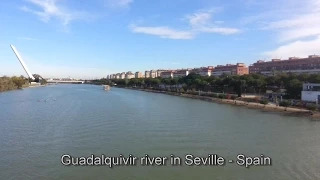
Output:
x=39 y=125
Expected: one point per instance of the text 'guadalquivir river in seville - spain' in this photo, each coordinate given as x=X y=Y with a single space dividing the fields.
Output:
x=40 y=125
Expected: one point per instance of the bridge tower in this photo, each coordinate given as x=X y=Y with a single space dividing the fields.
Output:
x=22 y=62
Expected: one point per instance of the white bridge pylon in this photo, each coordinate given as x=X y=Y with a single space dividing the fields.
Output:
x=22 y=62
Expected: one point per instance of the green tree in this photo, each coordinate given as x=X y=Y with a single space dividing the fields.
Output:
x=19 y=82
x=294 y=88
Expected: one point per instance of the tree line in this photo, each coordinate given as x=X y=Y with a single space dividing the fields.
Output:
x=11 y=83
x=251 y=83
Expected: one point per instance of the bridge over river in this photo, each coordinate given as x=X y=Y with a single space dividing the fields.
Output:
x=66 y=82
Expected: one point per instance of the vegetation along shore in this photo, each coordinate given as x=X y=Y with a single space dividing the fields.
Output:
x=233 y=89
x=13 y=83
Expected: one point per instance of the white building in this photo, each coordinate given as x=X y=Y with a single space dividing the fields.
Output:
x=117 y=76
x=129 y=75
x=311 y=92
x=147 y=74
x=138 y=75
x=122 y=75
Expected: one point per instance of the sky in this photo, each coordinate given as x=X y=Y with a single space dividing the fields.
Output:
x=94 y=38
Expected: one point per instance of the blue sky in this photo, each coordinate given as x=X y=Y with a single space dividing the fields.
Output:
x=89 y=39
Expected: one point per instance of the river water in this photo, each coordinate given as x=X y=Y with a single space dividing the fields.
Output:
x=39 y=125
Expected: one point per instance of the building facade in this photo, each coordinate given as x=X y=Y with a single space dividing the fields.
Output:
x=309 y=65
x=117 y=76
x=181 y=73
x=203 y=71
x=123 y=75
x=147 y=74
x=232 y=69
x=153 y=74
x=167 y=74
x=311 y=92
x=159 y=71
x=130 y=75
x=138 y=75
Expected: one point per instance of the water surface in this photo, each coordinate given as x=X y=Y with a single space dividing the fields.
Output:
x=39 y=125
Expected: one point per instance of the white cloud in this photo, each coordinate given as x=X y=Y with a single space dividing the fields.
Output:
x=199 y=22
x=299 y=26
x=294 y=28
x=297 y=48
x=225 y=31
x=163 y=32
x=27 y=38
x=51 y=9
x=118 y=3
x=199 y=19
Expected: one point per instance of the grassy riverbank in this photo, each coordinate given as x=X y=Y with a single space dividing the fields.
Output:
x=253 y=105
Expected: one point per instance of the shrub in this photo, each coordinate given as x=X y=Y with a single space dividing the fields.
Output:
x=233 y=97
x=264 y=101
x=215 y=96
x=222 y=96
x=284 y=103
x=311 y=107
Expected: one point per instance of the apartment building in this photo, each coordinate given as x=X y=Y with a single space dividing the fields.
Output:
x=310 y=65
x=123 y=75
x=232 y=69
x=138 y=75
x=147 y=74
x=117 y=76
x=130 y=75
x=167 y=74
x=159 y=71
x=203 y=71
x=181 y=73
x=153 y=74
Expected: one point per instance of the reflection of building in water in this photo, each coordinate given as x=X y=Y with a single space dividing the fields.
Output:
x=106 y=87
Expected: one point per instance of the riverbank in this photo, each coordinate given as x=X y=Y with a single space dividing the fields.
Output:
x=292 y=111
x=36 y=86
x=24 y=87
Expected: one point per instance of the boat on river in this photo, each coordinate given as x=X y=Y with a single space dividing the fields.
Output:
x=106 y=87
